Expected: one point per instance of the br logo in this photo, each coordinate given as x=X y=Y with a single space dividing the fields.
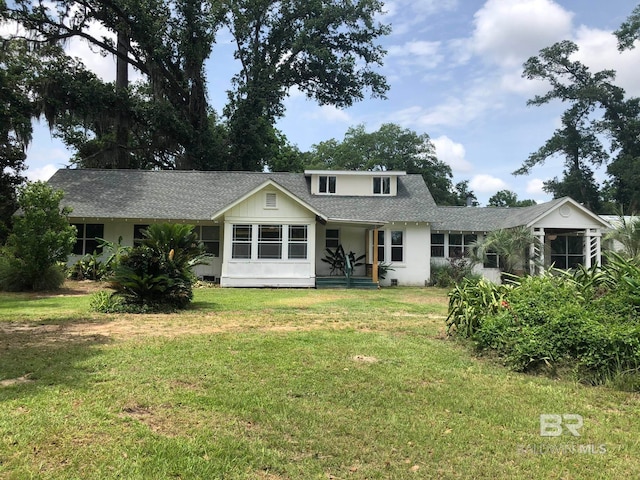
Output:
x=552 y=425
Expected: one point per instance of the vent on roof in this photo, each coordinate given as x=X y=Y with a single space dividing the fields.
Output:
x=270 y=200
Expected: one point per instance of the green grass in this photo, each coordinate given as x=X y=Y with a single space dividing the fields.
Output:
x=273 y=384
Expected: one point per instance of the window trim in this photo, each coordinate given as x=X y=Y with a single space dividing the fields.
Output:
x=81 y=237
x=438 y=245
x=330 y=183
x=567 y=254
x=256 y=241
x=326 y=238
x=293 y=242
x=382 y=181
x=235 y=240
x=205 y=241
x=265 y=242
x=397 y=246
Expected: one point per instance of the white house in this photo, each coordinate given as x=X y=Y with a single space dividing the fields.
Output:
x=273 y=229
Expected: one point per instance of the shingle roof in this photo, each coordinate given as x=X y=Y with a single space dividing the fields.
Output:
x=486 y=219
x=197 y=195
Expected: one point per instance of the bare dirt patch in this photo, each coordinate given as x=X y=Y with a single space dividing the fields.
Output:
x=15 y=381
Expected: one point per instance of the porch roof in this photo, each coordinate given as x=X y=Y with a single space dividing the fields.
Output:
x=487 y=219
x=198 y=195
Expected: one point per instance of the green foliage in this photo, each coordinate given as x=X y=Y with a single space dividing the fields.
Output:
x=337 y=260
x=383 y=269
x=446 y=275
x=157 y=275
x=596 y=106
x=512 y=246
x=472 y=300
x=629 y=31
x=389 y=148
x=16 y=110
x=628 y=234
x=41 y=238
x=586 y=323
x=507 y=198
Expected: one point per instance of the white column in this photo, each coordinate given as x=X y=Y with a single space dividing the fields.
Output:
x=536 y=253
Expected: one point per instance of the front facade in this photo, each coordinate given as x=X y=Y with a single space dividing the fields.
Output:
x=274 y=229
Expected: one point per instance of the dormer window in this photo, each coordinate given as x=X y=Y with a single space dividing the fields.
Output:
x=382 y=185
x=327 y=184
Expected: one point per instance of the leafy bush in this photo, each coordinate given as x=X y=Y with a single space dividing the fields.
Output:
x=157 y=275
x=472 y=300
x=93 y=267
x=41 y=237
x=453 y=272
x=555 y=322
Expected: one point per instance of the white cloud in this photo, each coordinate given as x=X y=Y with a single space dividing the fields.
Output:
x=534 y=187
x=452 y=153
x=484 y=183
x=458 y=111
x=329 y=113
x=420 y=53
x=599 y=51
x=43 y=173
x=407 y=15
x=507 y=32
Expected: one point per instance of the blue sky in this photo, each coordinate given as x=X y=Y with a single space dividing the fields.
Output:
x=454 y=67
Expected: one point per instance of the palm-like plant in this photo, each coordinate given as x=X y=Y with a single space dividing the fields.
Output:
x=512 y=246
x=158 y=272
x=627 y=232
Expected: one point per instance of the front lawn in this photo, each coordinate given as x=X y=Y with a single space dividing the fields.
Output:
x=285 y=384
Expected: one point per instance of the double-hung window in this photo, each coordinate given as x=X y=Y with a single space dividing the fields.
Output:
x=269 y=241
x=437 y=245
x=137 y=234
x=381 y=245
x=87 y=238
x=297 y=242
x=459 y=244
x=210 y=238
x=241 y=242
x=332 y=238
x=397 y=246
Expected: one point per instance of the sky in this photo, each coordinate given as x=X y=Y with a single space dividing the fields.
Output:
x=455 y=72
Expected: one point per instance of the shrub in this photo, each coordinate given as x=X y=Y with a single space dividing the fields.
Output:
x=453 y=272
x=470 y=302
x=555 y=322
x=41 y=237
x=92 y=267
x=157 y=275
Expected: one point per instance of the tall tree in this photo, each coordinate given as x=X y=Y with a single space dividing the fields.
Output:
x=629 y=31
x=168 y=42
x=325 y=48
x=389 y=148
x=16 y=111
x=596 y=106
x=507 y=198
x=577 y=140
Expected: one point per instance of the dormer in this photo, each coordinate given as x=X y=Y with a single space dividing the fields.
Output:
x=352 y=183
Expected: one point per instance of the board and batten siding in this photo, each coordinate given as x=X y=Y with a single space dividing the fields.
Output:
x=259 y=209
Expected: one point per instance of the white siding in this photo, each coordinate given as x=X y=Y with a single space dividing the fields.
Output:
x=355 y=185
x=266 y=272
x=114 y=229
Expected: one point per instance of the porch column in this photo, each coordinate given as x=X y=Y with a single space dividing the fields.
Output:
x=374 y=265
x=536 y=253
x=592 y=250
